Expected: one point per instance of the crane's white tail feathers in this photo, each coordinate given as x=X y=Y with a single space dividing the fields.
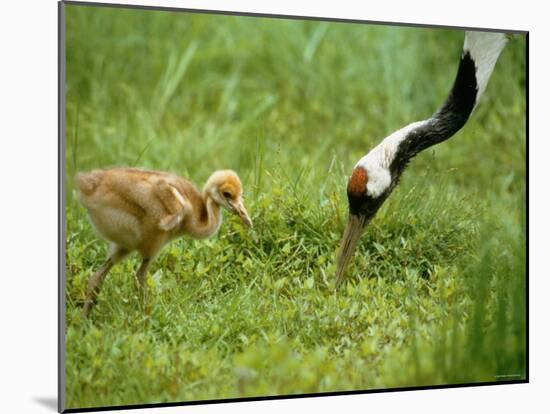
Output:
x=484 y=49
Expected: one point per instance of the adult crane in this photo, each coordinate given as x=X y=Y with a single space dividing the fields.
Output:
x=377 y=173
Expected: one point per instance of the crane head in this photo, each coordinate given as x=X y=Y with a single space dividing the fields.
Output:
x=226 y=189
x=363 y=205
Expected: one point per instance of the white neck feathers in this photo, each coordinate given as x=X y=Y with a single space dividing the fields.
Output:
x=484 y=48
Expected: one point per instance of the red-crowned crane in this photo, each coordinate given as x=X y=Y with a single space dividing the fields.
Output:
x=377 y=173
x=136 y=209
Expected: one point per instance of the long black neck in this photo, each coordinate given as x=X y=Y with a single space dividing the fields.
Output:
x=444 y=123
x=456 y=110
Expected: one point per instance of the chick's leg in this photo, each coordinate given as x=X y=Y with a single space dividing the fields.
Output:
x=142 y=272
x=141 y=276
x=116 y=254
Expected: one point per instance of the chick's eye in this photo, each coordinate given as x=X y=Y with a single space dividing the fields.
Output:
x=227 y=194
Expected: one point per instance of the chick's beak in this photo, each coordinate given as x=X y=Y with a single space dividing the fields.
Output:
x=351 y=237
x=237 y=207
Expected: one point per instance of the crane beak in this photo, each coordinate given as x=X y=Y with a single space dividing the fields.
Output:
x=352 y=234
x=237 y=207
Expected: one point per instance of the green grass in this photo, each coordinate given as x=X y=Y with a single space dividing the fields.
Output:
x=436 y=293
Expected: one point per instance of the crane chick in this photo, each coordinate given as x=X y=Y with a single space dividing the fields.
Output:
x=142 y=210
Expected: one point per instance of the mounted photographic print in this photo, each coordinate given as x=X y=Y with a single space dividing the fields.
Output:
x=258 y=206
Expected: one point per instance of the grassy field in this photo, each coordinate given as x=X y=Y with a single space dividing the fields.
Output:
x=436 y=293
